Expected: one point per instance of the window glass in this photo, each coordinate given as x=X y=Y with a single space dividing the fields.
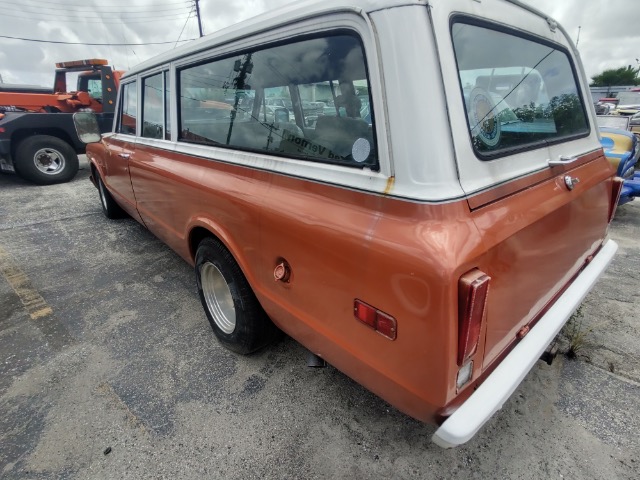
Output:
x=152 y=107
x=167 y=116
x=308 y=99
x=94 y=87
x=127 y=121
x=525 y=95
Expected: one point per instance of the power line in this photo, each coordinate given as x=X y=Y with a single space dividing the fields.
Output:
x=100 y=22
x=124 y=4
x=95 y=44
x=185 y=24
x=100 y=12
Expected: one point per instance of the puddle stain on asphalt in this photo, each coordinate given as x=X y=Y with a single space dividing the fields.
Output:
x=33 y=302
x=43 y=318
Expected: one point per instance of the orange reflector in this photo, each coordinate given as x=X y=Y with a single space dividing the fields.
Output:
x=381 y=322
x=472 y=296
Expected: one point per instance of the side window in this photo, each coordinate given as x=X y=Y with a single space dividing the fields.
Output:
x=153 y=107
x=128 y=113
x=94 y=87
x=167 y=109
x=308 y=99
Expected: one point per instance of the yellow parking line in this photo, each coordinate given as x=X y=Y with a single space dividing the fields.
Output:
x=33 y=302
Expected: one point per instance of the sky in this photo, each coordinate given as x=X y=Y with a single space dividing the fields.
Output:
x=609 y=36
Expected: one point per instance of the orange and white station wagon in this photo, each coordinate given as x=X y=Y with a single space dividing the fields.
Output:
x=413 y=190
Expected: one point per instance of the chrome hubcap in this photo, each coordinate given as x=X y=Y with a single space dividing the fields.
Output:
x=49 y=161
x=218 y=297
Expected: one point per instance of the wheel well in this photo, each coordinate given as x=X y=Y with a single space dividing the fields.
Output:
x=196 y=236
x=19 y=135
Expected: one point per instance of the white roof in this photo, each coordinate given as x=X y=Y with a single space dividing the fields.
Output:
x=289 y=13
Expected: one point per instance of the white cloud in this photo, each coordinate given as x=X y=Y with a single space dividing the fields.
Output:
x=609 y=33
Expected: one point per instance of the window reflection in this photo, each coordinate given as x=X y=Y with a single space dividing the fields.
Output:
x=517 y=92
x=308 y=99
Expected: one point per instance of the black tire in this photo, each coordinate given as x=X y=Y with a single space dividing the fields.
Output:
x=45 y=160
x=109 y=206
x=233 y=310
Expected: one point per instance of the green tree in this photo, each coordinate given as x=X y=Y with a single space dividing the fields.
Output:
x=617 y=76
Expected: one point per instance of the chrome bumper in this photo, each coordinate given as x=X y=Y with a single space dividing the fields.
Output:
x=503 y=381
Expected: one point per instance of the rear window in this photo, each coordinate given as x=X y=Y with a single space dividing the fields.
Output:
x=519 y=93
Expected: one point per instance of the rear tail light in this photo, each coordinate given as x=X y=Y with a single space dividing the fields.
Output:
x=472 y=298
x=615 y=196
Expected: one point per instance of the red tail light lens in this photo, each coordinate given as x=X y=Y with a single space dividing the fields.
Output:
x=615 y=196
x=381 y=322
x=473 y=288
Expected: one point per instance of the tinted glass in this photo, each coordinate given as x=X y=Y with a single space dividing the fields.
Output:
x=517 y=92
x=167 y=116
x=128 y=114
x=153 y=107
x=302 y=100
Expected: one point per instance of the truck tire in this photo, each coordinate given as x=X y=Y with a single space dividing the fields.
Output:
x=233 y=310
x=45 y=160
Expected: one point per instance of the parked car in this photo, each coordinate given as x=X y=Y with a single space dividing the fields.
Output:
x=628 y=103
x=432 y=251
x=622 y=149
x=634 y=124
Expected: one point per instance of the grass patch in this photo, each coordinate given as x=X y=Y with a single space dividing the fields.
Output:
x=576 y=334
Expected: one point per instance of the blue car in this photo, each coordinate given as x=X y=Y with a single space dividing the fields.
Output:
x=622 y=149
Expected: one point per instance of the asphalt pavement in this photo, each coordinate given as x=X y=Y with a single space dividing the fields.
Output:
x=109 y=369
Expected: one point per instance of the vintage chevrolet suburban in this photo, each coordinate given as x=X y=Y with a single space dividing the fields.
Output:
x=424 y=207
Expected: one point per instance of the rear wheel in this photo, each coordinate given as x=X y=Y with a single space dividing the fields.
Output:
x=233 y=310
x=45 y=160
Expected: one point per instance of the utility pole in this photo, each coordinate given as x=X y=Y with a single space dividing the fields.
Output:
x=577 y=40
x=198 y=15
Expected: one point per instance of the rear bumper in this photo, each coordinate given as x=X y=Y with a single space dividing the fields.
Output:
x=6 y=164
x=498 y=387
x=630 y=189
x=5 y=147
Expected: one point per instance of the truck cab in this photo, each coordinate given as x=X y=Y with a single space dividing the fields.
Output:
x=38 y=140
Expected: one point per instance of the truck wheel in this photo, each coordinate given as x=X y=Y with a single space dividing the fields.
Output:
x=44 y=159
x=232 y=308
x=109 y=206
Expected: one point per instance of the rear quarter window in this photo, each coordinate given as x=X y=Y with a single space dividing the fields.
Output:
x=306 y=99
x=518 y=92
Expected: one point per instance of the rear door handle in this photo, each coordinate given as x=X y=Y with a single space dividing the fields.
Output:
x=563 y=160
x=124 y=155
